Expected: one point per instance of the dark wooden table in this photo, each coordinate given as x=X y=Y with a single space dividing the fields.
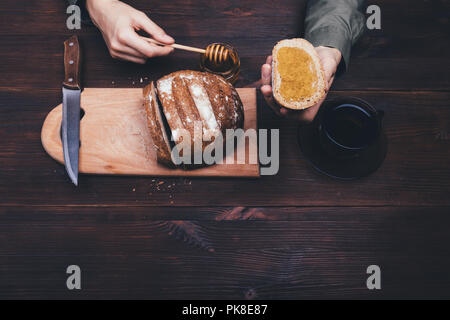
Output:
x=294 y=235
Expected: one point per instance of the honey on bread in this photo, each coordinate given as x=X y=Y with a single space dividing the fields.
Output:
x=298 y=76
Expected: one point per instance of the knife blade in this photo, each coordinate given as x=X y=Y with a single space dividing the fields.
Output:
x=70 y=124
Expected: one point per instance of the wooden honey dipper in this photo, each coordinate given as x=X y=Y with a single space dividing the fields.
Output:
x=216 y=53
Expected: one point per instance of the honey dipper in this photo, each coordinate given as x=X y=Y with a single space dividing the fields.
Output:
x=215 y=53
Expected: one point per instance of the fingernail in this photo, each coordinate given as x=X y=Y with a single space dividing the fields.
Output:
x=168 y=38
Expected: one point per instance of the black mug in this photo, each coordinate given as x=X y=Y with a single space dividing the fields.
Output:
x=348 y=127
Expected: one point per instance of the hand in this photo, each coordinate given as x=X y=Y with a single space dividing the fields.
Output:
x=119 y=22
x=329 y=58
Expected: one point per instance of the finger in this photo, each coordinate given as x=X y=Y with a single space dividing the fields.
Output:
x=309 y=114
x=146 y=24
x=147 y=49
x=295 y=115
x=329 y=68
x=131 y=51
x=329 y=72
x=266 y=75
x=128 y=57
x=266 y=90
x=137 y=45
x=330 y=83
x=269 y=60
x=304 y=116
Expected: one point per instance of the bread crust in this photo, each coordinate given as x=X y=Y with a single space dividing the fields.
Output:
x=234 y=107
x=156 y=126
x=320 y=91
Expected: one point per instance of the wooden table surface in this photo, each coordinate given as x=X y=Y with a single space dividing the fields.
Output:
x=294 y=235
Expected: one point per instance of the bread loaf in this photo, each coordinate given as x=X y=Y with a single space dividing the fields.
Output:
x=186 y=99
x=298 y=79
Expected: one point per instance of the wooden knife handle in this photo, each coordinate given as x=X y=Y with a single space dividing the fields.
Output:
x=72 y=63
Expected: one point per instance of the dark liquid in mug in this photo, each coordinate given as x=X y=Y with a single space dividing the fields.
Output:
x=350 y=125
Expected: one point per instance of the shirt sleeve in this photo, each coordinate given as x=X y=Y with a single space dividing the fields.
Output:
x=335 y=23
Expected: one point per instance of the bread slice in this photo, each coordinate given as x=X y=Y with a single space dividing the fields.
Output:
x=298 y=78
x=157 y=126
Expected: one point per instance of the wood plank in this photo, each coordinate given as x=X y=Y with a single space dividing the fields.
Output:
x=318 y=255
x=139 y=213
x=115 y=139
x=415 y=172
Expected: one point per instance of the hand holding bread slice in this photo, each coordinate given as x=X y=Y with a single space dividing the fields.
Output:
x=298 y=78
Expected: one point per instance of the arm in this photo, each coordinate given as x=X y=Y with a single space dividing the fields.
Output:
x=118 y=23
x=335 y=24
x=332 y=26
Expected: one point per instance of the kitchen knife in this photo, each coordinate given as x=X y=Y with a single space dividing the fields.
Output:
x=70 y=124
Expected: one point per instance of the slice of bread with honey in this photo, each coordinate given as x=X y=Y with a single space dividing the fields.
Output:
x=185 y=101
x=298 y=79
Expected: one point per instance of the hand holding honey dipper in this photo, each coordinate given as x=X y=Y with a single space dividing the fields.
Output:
x=119 y=24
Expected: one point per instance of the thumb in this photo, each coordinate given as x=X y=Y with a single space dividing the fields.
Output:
x=146 y=24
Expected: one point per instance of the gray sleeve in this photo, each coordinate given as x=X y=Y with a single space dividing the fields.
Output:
x=335 y=23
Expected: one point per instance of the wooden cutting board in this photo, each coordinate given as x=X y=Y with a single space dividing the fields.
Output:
x=115 y=139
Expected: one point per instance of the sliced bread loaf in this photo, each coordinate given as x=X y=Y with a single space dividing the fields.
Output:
x=189 y=99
